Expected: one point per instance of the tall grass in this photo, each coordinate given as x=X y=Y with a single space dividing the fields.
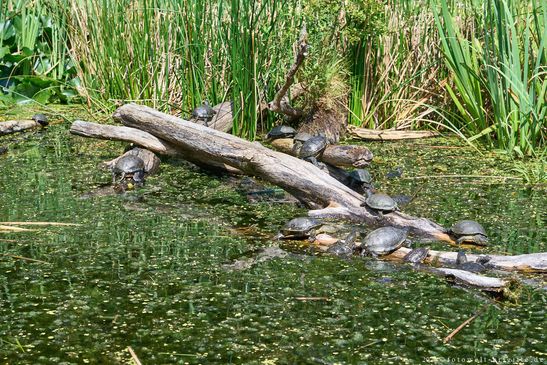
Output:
x=499 y=78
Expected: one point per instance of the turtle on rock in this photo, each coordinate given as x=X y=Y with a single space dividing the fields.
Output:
x=344 y=247
x=129 y=167
x=40 y=119
x=381 y=203
x=312 y=149
x=477 y=266
x=417 y=255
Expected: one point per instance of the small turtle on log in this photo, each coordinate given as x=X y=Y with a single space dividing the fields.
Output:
x=204 y=113
x=129 y=167
x=360 y=180
x=344 y=247
x=478 y=266
x=312 y=149
x=468 y=231
x=383 y=241
x=40 y=119
x=381 y=203
x=299 y=228
x=281 y=131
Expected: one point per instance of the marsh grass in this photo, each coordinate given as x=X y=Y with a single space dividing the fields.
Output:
x=499 y=86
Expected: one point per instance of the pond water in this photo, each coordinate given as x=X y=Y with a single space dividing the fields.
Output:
x=145 y=269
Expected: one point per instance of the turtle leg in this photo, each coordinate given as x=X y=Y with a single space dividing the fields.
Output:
x=407 y=243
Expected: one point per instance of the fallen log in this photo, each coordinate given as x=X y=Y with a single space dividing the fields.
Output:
x=389 y=134
x=151 y=161
x=14 y=126
x=336 y=155
x=302 y=179
x=532 y=262
x=144 y=139
x=473 y=280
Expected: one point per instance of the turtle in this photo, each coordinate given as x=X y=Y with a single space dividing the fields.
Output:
x=468 y=231
x=301 y=227
x=344 y=247
x=204 y=112
x=360 y=180
x=129 y=166
x=477 y=266
x=397 y=172
x=312 y=149
x=383 y=241
x=40 y=119
x=380 y=202
x=281 y=131
x=417 y=255
x=299 y=140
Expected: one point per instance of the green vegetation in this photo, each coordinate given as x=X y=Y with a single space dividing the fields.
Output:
x=146 y=269
x=380 y=60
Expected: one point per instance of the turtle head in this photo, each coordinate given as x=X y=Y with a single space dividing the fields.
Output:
x=461 y=258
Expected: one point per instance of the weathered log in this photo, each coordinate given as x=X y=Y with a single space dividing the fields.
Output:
x=302 y=179
x=389 y=134
x=467 y=278
x=151 y=161
x=222 y=120
x=336 y=155
x=111 y=132
x=533 y=262
x=14 y=126
x=144 y=139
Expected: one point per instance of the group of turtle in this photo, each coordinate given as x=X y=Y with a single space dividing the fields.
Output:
x=305 y=146
x=385 y=240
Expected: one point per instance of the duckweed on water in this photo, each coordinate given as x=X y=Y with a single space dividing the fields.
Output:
x=145 y=270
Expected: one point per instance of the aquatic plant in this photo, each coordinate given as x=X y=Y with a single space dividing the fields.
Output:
x=499 y=86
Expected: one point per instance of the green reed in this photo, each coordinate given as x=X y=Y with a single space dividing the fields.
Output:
x=499 y=86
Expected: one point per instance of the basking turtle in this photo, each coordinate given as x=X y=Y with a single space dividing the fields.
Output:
x=40 y=119
x=204 y=112
x=463 y=264
x=344 y=247
x=383 y=241
x=360 y=180
x=468 y=231
x=382 y=203
x=299 y=140
x=129 y=166
x=301 y=227
x=417 y=255
x=281 y=131
x=312 y=149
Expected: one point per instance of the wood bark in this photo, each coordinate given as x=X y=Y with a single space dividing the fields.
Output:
x=389 y=134
x=336 y=155
x=302 y=179
x=14 y=126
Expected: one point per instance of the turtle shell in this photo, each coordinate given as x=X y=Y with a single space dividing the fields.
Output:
x=281 y=131
x=302 y=137
x=204 y=112
x=313 y=147
x=467 y=228
x=41 y=119
x=385 y=240
x=361 y=176
x=300 y=226
x=129 y=164
x=381 y=202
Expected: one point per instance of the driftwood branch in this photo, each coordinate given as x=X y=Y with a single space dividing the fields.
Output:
x=336 y=155
x=280 y=103
x=14 y=126
x=389 y=134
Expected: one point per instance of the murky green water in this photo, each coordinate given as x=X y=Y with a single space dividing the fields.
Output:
x=145 y=270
